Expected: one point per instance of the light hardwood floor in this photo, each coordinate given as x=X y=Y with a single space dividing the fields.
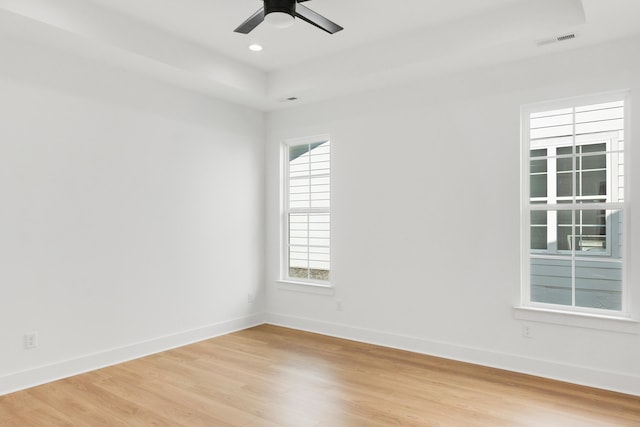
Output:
x=271 y=376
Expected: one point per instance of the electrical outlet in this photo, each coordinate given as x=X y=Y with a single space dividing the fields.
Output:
x=31 y=340
x=338 y=305
x=251 y=297
x=526 y=331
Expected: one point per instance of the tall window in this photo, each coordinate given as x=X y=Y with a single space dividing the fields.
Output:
x=574 y=205
x=307 y=211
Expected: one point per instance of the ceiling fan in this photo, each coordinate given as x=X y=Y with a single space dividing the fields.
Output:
x=281 y=13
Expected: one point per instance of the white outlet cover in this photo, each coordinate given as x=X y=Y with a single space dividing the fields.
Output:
x=31 y=340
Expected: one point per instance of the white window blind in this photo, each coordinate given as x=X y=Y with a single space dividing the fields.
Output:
x=307 y=211
x=574 y=205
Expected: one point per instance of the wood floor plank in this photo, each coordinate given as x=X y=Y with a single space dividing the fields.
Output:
x=270 y=376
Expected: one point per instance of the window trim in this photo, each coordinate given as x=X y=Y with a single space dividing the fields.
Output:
x=560 y=313
x=285 y=281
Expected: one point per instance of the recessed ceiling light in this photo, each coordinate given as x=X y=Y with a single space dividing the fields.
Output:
x=255 y=47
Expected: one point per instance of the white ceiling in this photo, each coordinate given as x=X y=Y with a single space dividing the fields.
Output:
x=211 y=23
x=191 y=43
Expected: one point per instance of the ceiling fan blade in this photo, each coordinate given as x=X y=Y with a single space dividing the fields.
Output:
x=300 y=1
x=316 y=19
x=251 y=23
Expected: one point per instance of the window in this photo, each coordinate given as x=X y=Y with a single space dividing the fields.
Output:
x=307 y=214
x=574 y=205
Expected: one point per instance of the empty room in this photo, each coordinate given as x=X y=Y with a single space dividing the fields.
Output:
x=319 y=213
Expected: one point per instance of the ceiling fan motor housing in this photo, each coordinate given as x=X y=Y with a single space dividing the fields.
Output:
x=284 y=6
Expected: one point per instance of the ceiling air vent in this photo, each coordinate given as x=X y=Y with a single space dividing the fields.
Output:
x=556 y=39
x=566 y=37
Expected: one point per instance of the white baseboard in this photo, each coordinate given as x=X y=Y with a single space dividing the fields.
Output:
x=542 y=368
x=44 y=374
x=564 y=372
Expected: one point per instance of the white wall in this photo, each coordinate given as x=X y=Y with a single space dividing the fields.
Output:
x=131 y=218
x=426 y=218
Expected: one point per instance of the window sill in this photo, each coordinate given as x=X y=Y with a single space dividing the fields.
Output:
x=578 y=320
x=306 y=287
